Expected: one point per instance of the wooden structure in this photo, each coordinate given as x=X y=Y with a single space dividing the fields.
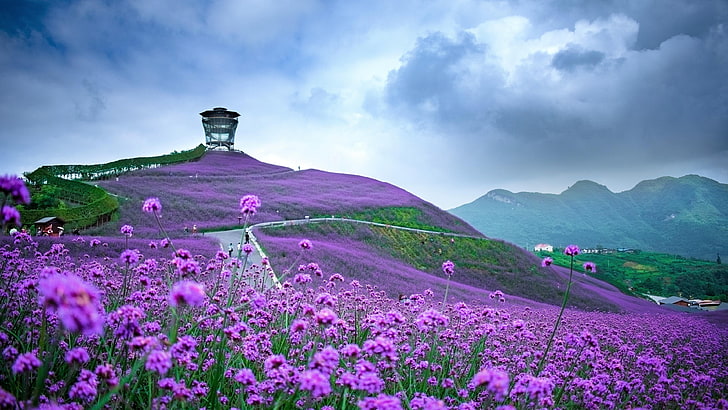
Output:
x=50 y=226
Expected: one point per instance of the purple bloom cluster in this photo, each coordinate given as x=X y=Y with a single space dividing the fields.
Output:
x=249 y=204
x=74 y=301
x=152 y=205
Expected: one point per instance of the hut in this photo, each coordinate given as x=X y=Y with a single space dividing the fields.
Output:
x=50 y=226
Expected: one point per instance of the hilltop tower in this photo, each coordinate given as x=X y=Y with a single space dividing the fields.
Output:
x=219 y=125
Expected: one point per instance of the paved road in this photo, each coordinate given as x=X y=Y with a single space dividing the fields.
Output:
x=234 y=236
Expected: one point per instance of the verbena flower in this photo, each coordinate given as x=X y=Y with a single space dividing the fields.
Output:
x=316 y=382
x=152 y=205
x=130 y=256
x=15 y=188
x=448 y=267
x=249 y=204
x=187 y=293
x=547 y=261
x=571 y=250
x=495 y=381
x=159 y=361
x=381 y=402
x=305 y=244
x=26 y=362
x=248 y=248
x=590 y=267
x=127 y=230
x=74 y=301
x=10 y=215
x=78 y=355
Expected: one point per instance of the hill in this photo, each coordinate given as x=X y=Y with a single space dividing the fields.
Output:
x=684 y=216
x=206 y=193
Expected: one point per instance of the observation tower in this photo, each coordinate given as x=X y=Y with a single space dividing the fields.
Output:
x=219 y=125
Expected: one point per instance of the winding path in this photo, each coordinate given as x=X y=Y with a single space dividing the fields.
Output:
x=236 y=236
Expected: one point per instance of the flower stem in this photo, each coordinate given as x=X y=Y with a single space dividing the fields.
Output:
x=542 y=362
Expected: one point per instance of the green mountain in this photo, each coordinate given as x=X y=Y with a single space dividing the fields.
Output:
x=684 y=216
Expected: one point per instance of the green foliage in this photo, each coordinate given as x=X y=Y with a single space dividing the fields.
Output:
x=57 y=183
x=114 y=168
x=407 y=216
x=656 y=273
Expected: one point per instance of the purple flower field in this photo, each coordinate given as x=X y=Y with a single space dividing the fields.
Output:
x=201 y=193
x=141 y=315
x=97 y=331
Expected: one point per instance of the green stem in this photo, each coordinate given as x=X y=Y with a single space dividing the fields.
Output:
x=542 y=362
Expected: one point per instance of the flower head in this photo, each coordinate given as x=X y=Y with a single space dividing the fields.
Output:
x=448 y=267
x=127 y=230
x=74 y=301
x=305 y=244
x=152 y=205
x=187 y=293
x=15 y=188
x=547 y=261
x=249 y=204
x=248 y=248
x=590 y=267
x=571 y=250
x=10 y=215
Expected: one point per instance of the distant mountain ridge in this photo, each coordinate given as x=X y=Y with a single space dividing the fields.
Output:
x=685 y=216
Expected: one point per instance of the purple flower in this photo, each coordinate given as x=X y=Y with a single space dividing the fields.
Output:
x=430 y=319
x=74 y=301
x=326 y=360
x=245 y=377
x=316 y=382
x=495 y=381
x=187 y=293
x=325 y=317
x=590 y=267
x=248 y=248
x=127 y=230
x=125 y=321
x=547 y=261
x=130 y=256
x=249 y=204
x=10 y=215
x=15 y=188
x=77 y=355
x=571 y=250
x=25 y=363
x=86 y=387
x=152 y=205
x=381 y=402
x=305 y=244
x=448 y=267
x=159 y=361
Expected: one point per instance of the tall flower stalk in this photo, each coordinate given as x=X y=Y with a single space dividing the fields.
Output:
x=448 y=268
x=571 y=251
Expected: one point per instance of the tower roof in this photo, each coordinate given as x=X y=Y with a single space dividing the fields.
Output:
x=220 y=112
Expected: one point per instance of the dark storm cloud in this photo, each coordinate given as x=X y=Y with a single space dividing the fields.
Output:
x=437 y=85
x=602 y=102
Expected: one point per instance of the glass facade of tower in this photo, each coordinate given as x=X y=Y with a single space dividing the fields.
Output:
x=220 y=125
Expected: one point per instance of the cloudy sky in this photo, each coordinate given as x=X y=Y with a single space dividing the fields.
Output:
x=445 y=98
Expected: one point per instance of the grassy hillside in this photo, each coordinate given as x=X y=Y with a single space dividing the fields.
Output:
x=684 y=216
x=659 y=274
x=206 y=193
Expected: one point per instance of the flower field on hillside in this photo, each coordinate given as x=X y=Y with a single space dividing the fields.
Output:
x=160 y=326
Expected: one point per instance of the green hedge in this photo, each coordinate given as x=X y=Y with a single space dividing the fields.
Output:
x=97 y=206
x=112 y=169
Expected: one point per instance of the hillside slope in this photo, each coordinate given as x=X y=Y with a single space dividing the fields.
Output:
x=206 y=193
x=684 y=216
